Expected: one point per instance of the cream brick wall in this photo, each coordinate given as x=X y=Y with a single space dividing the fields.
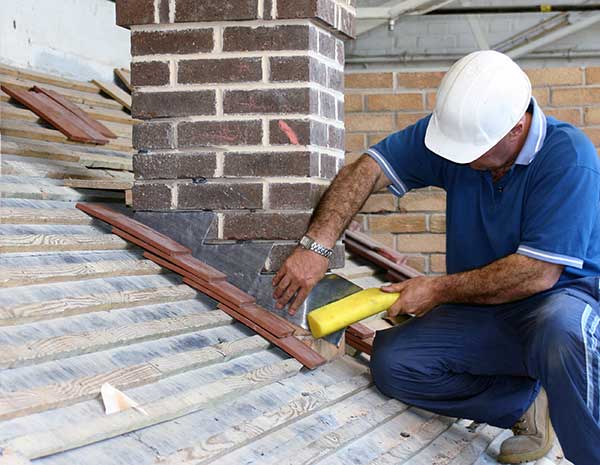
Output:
x=377 y=104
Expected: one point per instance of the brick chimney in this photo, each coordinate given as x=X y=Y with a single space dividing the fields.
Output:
x=242 y=107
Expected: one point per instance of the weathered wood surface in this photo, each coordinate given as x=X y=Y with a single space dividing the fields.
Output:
x=96 y=429
x=125 y=76
x=76 y=305
x=35 y=191
x=43 y=216
x=70 y=345
x=242 y=434
x=115 y=92
x=26 y=402
x=99 y=184
x=57 y=242
x=24 y=276
x=47 y=79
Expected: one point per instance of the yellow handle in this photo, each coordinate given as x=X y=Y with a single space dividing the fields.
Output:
x=337 y=315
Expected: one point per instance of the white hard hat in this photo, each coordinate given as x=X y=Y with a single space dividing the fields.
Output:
x=481 y=98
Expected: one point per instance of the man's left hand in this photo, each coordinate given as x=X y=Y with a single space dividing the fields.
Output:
x=417 y=296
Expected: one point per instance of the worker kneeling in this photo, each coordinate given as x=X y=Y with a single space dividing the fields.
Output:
x=511 y=336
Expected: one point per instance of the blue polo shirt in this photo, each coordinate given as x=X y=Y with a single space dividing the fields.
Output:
x=545 y=207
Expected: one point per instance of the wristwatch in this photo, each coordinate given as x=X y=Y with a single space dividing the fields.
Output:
x=312 y=245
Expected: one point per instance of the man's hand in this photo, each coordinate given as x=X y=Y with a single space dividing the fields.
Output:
x=301 y=271
x=417 y=296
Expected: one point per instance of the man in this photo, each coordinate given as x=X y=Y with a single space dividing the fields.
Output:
x=518 y=310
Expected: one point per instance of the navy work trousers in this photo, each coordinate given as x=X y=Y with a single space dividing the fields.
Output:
x=488 y=363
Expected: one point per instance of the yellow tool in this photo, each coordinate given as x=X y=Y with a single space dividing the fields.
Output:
x=337 y=315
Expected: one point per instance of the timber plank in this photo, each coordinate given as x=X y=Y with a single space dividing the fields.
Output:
x=115 y=92
x=198 y=268
x=53 y=151
x=30 y=275
x=125 y=76
x=78 y=112
x=59 y=242
x=19 y=403
x=360 y=331
x=47 y=79
x=235 y=437
x=224 y=292
x=70 y=345
x=77 y=305
x=109 y=184
x=52 y=112
x=30 y=130
x=362 y=345
x=70 y=436
x=49 y=192
x=133 y=227
x=289 y=344
x=43 y=216
x=362 y=251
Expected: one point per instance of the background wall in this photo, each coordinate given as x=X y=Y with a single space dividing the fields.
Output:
x=380 y=103
x=71 y=38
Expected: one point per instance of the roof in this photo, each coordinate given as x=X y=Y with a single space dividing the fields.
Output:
x=80 y=306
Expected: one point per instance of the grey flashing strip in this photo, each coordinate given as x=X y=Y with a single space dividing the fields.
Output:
x=399 y=188
x=550 y=257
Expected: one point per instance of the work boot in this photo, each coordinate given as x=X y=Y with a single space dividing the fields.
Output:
x=533 y=437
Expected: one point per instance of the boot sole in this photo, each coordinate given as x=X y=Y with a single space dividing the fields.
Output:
x=533 y=455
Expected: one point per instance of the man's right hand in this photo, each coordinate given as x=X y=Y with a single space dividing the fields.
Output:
x=297 y=276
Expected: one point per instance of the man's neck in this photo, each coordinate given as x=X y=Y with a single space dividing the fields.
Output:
x=499 y=172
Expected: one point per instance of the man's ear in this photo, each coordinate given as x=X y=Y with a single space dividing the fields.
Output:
x=518 y=128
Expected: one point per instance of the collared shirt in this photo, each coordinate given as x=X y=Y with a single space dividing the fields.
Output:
x=546 y=206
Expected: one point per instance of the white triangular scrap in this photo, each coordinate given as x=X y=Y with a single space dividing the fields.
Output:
x=115 y=401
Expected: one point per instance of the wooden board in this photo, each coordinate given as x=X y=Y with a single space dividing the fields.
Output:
x=108 y=184
x=290 y=344
x=43 y=216
x=36 y=132
x=96 y=429
x=52 y=112
x=237 y=436
x=21 y=313
x=133 y=227
x=48 y=79
x=115 y=92
x=18 y=403
x=50 y=192
x=70 y=345
x=59 y=242
x=78 y=112
x=29 y=275
x=124 y=76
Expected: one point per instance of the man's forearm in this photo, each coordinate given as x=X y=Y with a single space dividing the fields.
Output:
x=511 y=278
x=343 y=199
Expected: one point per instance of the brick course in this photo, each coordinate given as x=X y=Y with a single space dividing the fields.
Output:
x=379 y=103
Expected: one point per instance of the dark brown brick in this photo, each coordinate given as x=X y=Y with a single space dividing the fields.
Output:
x=149 y=73
x=320 y=9
x=335 y=79
x=298 y=69
x=151 y=196
x=216 y=71
x=294 y=195
x=147 y=105
x=261 y=225
x=282 y=250
x=174 y=165
x=327 y=44
x=328 y=166
x=271 y=164
x=328 y=105
x=171 y=42
x=151 y=135
x=340 y=110
x=347 y=25
x=206 y=133
x=270 y=101
x=336 y=138
x=269 y=38
x=268 y=6
x=210 y=10
x=340 y=52
x=306 y=132
x=131 y=12
x=220 y=196
x=163 y=11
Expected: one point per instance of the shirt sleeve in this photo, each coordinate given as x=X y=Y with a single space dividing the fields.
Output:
x=560 y=213
x=407 y=162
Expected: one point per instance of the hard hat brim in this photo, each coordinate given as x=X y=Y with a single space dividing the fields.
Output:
x=450 y=149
